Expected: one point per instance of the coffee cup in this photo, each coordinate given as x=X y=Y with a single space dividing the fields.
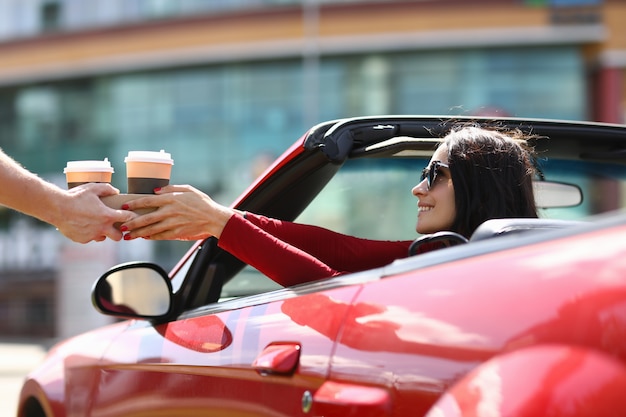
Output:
x=82 y=172
x=147 y=170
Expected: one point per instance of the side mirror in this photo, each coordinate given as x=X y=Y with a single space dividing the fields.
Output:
x=134 y=290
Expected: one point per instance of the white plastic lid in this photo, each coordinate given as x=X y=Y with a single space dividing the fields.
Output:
x=161 y=157
x=89 y=166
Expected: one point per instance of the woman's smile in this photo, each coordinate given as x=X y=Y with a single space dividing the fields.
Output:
x=423 y=208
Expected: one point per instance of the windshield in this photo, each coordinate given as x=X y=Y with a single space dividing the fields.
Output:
x=372 y=197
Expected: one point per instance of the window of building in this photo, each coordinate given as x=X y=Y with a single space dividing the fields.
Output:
x=525 y=82
x=50 y=16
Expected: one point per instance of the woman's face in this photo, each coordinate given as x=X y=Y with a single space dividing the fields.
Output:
x=436 y=210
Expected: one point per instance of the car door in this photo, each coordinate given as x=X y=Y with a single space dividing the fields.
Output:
x=256 y=356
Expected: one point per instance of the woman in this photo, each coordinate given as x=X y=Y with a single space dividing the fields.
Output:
x=474 y=175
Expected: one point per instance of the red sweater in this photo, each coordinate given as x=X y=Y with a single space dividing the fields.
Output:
x=293 y=253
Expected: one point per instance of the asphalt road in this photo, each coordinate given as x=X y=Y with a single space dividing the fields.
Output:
x=16 y=360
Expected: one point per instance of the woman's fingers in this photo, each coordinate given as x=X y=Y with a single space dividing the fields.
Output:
x=173 y=188
x=167 y=229
x=181 y=212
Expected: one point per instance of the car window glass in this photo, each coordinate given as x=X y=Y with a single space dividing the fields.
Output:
x=603 y=186
x=372 y=198
x=350 y=204
x=248 y=282
x=179 y=276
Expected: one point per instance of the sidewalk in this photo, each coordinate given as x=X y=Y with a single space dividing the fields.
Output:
x=16 y=360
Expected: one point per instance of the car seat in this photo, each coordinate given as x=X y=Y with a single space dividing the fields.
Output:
x=499 y=227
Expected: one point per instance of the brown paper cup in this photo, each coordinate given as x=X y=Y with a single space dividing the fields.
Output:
x=146 y=170
x=82 y=172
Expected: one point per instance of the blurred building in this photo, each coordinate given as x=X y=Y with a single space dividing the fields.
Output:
x=218 y=83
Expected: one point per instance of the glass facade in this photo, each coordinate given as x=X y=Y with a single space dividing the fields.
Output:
x=527 y=82
x=220 y=122
x=229 y=113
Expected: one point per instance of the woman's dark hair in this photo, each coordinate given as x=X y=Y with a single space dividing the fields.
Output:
x=492 y=173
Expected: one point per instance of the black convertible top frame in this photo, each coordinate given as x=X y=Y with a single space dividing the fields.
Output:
x=350 y=137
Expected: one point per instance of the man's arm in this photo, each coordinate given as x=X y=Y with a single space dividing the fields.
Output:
x=78 y=213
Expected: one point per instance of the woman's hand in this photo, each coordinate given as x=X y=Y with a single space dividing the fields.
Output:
x=182 y=213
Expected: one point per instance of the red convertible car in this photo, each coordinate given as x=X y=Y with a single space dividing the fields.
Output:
x=527 y=318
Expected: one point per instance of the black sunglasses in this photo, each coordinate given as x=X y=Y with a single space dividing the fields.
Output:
x=430 y=172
